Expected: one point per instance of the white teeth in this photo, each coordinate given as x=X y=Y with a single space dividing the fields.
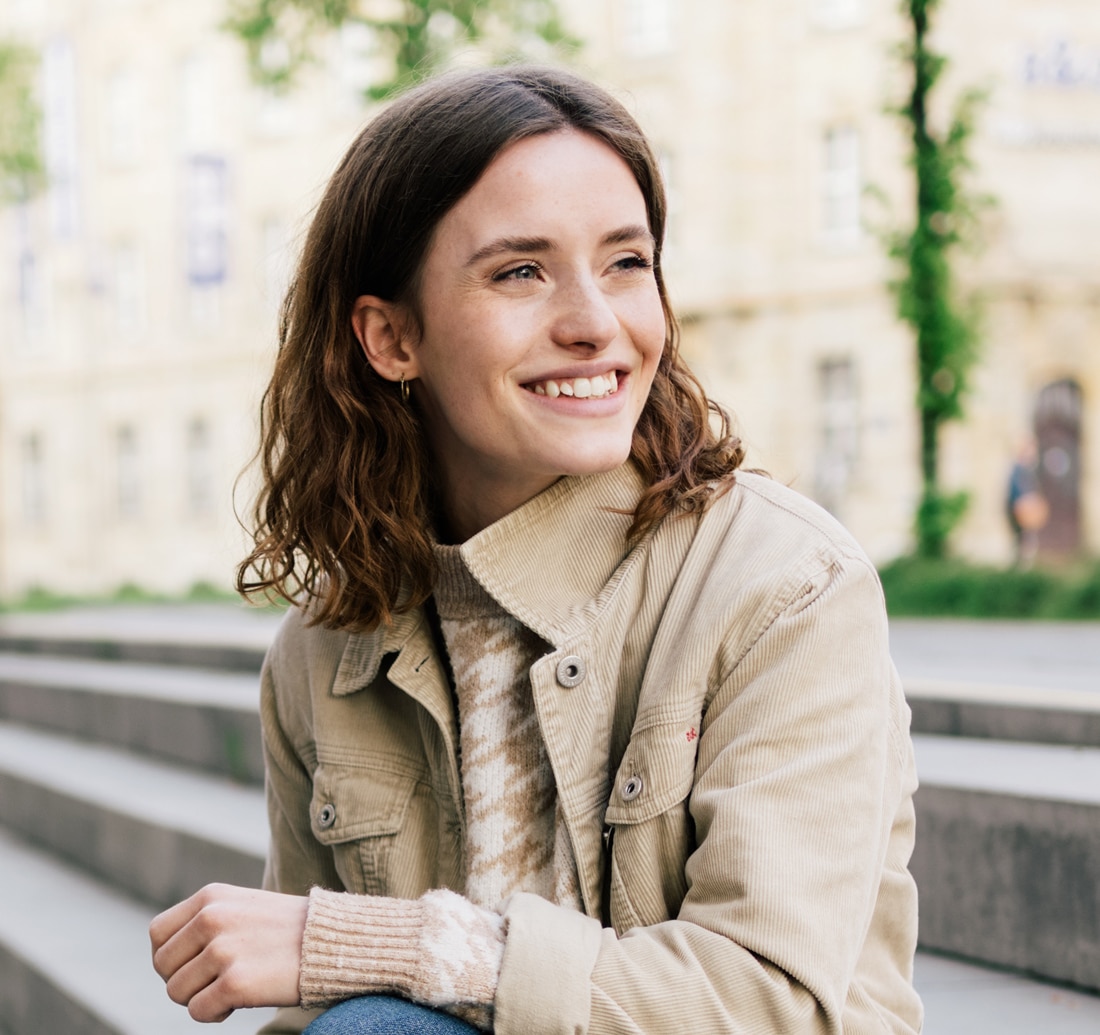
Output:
x=596 y=387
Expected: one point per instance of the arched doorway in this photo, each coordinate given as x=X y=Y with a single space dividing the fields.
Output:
x=1058 y=412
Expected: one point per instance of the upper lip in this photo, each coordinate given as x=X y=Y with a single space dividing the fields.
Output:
x=572 y=373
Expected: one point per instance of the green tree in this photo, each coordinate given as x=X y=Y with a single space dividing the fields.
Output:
x=417 y=35
x=21 y=167
x=946 y=327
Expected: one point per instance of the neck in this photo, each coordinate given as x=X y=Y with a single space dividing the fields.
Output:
x=466 y=512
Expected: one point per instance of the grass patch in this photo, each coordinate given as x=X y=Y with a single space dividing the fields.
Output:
x=918 y=586
x=39 y=598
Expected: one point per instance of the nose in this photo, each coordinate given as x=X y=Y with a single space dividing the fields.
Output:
x=584 y=318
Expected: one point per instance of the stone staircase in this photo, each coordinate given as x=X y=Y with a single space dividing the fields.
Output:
x=130 y=776
x=131 y=772
x=1008 y=846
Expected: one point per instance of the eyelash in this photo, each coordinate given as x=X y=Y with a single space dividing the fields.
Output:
x=633 y=262
x=637 y=262
x=510 y=274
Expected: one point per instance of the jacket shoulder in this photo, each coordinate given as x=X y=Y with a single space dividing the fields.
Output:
x=768 y=517
x=302 y=652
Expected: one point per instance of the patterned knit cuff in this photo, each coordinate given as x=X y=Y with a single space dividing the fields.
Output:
x=440 y=950
x=358 y=945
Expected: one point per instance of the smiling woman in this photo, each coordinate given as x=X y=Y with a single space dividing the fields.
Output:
x=539 y=285
x=576 y=726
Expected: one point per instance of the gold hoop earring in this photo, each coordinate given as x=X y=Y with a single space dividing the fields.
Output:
x=404 y=390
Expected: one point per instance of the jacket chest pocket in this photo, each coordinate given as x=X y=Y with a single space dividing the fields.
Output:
x=358 y=812
x=649 y=832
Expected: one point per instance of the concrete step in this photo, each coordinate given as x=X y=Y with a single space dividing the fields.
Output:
x=226 y=658
x=155 y=830
x=963 y=999
x=219 y=636
x=75 y=958
x=1005 y=712
x=1007 y=857
x=197 y=717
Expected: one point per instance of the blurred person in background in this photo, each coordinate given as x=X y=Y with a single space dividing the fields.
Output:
x=1025 y=505
x=575 y=726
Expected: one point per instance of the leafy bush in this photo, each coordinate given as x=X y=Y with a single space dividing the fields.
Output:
x=924 y=586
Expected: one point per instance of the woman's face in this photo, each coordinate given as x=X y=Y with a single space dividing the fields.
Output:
x=541 y=326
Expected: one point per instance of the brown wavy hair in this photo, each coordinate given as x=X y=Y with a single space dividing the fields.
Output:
x=344 y=517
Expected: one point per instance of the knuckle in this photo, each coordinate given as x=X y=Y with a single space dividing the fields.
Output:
x=176 y=992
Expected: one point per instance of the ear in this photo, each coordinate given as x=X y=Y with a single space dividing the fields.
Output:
x=384 y=332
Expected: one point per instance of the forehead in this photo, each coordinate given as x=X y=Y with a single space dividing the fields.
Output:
x=569 y=178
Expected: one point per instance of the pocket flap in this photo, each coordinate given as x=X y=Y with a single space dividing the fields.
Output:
x=352 y=803
x=657 y=771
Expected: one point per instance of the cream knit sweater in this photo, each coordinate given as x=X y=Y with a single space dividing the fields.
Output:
x=444 y=949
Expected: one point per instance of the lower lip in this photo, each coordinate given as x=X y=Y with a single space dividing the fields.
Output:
x=604 y=406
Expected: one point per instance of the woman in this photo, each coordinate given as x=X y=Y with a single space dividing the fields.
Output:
x=577 y=727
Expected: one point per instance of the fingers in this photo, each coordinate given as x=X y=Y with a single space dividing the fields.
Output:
x=191 y=955
x=228 y=947
x=175 y=935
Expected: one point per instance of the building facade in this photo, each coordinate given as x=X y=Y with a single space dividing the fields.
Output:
x=138 y=295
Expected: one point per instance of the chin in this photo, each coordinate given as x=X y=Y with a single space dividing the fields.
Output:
x=596 y=464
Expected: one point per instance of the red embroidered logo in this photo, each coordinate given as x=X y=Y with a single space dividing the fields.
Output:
x=691 y=734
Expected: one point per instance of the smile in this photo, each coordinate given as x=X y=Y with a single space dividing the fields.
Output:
x=597 y=387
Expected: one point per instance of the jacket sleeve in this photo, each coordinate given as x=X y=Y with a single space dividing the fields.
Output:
x=296 y=862
x=803 y=766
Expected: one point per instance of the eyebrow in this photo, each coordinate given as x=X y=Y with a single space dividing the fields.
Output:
x=534 y=245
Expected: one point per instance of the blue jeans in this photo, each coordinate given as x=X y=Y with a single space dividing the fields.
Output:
x=386 y=1015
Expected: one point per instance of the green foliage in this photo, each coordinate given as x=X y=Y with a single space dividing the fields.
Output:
x=416 y=36
x=937 y=514
x=946 y=587
x=946 y=328
x=21 y=168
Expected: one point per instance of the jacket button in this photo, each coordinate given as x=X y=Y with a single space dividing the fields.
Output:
x=632 y=788
x=327 y=816
x=571 y=671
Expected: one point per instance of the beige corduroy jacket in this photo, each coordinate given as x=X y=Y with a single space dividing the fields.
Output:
x=731 y=749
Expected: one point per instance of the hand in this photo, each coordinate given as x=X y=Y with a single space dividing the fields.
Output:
x=228 y=947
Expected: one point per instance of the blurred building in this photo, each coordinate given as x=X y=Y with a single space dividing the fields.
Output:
x=138 y=297
x=782 y=160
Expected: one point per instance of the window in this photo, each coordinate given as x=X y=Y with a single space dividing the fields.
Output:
x=31 y=305
x=122 y=114
x=200 y=474
x=206 y=215
x=646 y=27
x=32 y=467
x=838 y=436
x=842 y=186
x=59 y=134
x=127 y=473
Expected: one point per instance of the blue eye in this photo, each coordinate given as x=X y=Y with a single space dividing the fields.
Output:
x=634 y=262
x=528 y=271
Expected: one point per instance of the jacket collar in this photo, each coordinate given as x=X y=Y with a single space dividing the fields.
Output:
x=551 y=562
x=363 y=653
